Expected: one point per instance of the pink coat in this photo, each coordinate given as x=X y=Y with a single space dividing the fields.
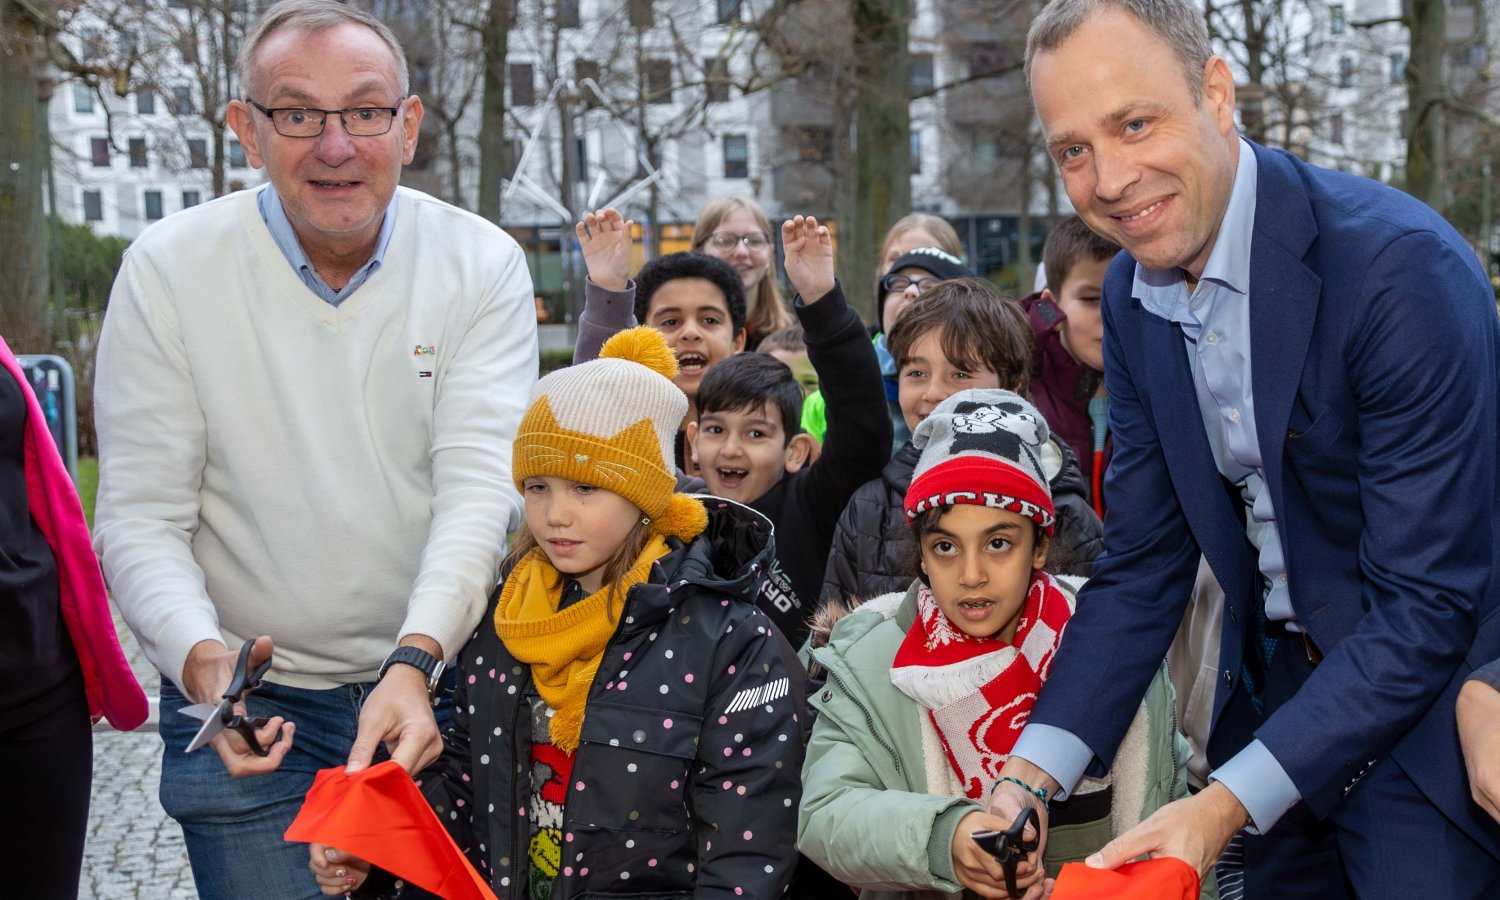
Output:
x=109 y=683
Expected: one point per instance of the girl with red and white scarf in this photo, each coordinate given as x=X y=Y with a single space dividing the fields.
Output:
x=928 y=690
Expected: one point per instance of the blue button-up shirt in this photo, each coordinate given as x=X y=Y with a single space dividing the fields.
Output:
x=274 y=215
x=1215 y=322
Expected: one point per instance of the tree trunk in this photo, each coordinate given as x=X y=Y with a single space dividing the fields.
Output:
x=24 y=150
x=493 y=150
x=1426 y=130
x=880 y=192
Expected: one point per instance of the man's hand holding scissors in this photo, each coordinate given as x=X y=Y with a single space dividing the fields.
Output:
x=207 y=677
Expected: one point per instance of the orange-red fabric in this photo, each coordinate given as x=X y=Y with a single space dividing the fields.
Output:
x=378 y=815
x=1164 y=878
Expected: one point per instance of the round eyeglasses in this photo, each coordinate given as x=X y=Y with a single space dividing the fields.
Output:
x=895 y=284
x=755 y=241
x=306 y=122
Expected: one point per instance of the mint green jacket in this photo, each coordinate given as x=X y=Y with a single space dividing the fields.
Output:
x=869 y=816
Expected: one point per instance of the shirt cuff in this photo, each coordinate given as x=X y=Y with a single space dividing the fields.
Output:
x=1061 y=754
x=1261 y=785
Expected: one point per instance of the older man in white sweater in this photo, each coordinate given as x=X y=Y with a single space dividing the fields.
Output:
x=306 y=397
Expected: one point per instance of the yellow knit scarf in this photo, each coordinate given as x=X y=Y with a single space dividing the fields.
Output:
x=563 y=648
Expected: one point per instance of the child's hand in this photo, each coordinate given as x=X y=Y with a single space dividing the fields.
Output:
x=809 y=257
x=978 y=871
x=605 y=238
x=337 y=872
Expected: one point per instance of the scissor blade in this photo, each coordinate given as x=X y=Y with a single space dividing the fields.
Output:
x=212 y=725
x=200 y=711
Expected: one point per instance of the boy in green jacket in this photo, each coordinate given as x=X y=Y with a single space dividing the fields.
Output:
x=927 y=690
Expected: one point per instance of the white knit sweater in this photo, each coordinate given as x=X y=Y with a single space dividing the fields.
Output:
x=333 y=477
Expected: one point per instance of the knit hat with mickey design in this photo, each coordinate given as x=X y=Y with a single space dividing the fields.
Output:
x=938 y=263
x=611 y=423
x=982 y=447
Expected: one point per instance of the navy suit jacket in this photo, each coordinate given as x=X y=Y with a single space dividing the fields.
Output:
x=1375 y=354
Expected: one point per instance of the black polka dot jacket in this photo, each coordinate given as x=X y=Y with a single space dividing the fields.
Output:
x=687 y=778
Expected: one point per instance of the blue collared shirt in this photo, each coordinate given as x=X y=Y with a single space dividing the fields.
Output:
x=1215 y=322
x=275 y=218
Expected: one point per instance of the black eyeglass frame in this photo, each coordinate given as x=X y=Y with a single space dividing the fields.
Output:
x=270 y=111
x=887 y=283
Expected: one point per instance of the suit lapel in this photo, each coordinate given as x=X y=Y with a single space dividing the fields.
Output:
x=1190 y=459
x=1284 y=296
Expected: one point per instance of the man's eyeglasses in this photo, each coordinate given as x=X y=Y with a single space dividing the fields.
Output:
x=896 y=284
x=728 y=240
x=305 y=122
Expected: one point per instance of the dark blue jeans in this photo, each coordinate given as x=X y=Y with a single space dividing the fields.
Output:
x=233 y=827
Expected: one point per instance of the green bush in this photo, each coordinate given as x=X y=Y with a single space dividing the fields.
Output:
x=556 y=359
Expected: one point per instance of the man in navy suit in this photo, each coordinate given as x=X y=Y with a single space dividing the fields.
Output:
x=1302 y=371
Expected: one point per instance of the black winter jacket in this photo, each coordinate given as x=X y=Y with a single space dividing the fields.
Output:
x=875 y=552
x=688 y=774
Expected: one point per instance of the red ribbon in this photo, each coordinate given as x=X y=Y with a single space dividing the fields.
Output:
x=1163 y=878
x=378 y=815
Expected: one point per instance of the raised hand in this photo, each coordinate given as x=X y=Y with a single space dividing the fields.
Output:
x=809 y=257
x=604 y=236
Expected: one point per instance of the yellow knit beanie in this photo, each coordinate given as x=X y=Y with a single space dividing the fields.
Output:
x=611 y=423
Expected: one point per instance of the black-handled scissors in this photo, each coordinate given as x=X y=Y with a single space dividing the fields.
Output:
x=1011 y=846
x=216 y=717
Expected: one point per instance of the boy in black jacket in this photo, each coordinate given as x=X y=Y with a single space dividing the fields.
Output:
x=748 y=441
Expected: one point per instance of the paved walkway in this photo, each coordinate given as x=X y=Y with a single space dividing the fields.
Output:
x=134 y=851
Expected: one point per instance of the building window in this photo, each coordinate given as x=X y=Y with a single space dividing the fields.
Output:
x=1398 y=68
x=83 y=97
x=1336 y=129
x=716 y=79
x=587 y=70
x=145 y=103
x=736 y=156
x=522 y=84
x=729 y=11
x=1337 y=20
x=153 y=205
x=658 y=80
x=93 y=206
x=182 y=100
x=916 y=152
x=198 y=153
x=580 y=158
x=567 y=13
x=236 y=155
x=986 y=58
x=1477 y=54
x=99 y=152
x=191 y=199
x=187 y=47
x=813 y=143
x=138 y=153
x=921 y=74
x=1346 y=71
x=642 y=15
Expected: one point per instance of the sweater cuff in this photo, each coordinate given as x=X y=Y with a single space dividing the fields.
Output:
x=184 y=629
x=940 y=845
x=446 y=620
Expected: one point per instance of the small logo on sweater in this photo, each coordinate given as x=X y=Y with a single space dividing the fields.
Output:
x=424 y=350
x=750 y=698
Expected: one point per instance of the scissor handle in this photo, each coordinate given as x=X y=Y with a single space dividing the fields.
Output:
x=246 y=727
x=1010 y=847
x=245 y=679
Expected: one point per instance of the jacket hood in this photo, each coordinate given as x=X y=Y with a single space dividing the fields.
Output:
x=735 y=551
x=1068 y=479
x=897 y=472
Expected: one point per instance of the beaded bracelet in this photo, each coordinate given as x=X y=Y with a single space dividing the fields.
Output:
x=1039 y=793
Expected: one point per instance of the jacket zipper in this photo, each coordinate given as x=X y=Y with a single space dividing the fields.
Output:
x=869 y=719
x=1176 y=727
x=520 y=867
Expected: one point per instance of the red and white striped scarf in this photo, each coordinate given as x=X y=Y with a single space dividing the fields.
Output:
x=979 y=691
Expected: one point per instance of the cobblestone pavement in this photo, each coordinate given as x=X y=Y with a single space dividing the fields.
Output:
x=134 y=851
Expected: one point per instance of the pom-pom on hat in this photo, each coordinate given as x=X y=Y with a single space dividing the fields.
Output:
x=982 y=447
x=611 y=423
